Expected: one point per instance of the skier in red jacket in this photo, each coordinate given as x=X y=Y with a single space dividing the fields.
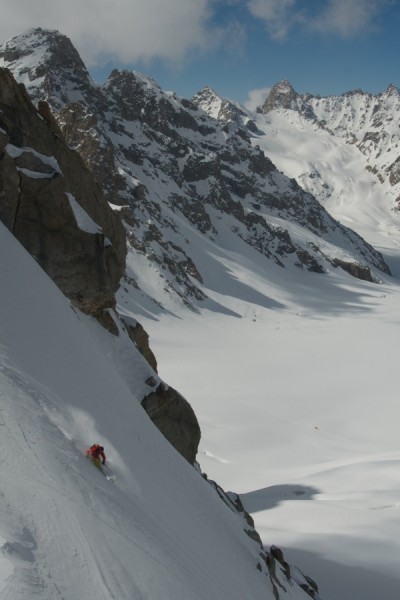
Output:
x=96 y=454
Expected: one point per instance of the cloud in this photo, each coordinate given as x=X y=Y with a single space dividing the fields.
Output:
x=348 y=17
x=278 y=15
x=256 y=97
x=234 y=39
x=123 y=30
x=345 y=18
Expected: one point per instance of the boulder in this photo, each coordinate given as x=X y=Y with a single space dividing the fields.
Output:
x=176 y=420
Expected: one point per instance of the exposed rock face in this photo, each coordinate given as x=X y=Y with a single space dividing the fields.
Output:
x=282 y=95
x=176 y=420
x=51 y=203
x=140 y=338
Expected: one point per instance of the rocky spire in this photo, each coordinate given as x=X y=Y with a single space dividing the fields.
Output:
x=282 y=95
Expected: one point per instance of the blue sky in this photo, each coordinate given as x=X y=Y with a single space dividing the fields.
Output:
x=238 y=47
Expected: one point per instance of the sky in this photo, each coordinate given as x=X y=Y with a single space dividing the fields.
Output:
x=241 y=48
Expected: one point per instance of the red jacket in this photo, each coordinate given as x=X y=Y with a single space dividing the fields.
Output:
x=96 y=452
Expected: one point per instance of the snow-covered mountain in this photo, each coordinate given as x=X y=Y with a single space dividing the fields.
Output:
x=345 y=150
x=192 y=184
x=369 y=122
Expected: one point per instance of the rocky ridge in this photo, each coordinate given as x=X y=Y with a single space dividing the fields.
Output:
x=176 y=171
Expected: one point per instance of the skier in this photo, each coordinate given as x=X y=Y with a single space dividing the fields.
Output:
x=96 y=454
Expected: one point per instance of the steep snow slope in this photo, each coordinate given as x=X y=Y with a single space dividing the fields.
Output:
x=333 y=170
x=66 y=531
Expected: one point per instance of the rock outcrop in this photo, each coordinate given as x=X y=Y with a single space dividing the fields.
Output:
x=175 y=418
x=140 y=338
x=282 y=95
x=51 y=203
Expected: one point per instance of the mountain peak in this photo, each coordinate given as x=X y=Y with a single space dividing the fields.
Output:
x=392 y=90
x=134 y=77
x=209 y=101
x=45 y=60
x=219 y=108
x=36 y=46
x=207 y=90
x=282 y=95
x=284 y=86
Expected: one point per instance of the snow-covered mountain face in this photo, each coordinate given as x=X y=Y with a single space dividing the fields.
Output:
x=343 y=149
x=186 y=175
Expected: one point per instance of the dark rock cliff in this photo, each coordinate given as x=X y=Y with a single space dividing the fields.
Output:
x=51 y=203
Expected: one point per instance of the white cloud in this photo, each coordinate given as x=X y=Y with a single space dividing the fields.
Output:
x=234 y=38
x=123 y=30
x=256 y=97
x=348 y=17
x=345 y=18
x=278 y=15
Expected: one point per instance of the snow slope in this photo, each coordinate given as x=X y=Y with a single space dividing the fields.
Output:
x=334 y=171
x=158 y=531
